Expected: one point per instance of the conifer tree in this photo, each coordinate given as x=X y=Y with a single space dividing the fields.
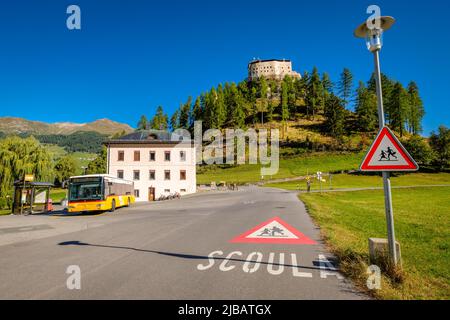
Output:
x=143 y=123
x=345 y=86
x=398 y=108
x=416 y=110
x=366 y=109
x=314 y=91
x=175 y=120
x=335 y=117
x=160 y=120
x=284 y=106
x=197 y=110
x=185 y=114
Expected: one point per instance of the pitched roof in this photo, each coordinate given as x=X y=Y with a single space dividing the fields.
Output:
x=150 y=136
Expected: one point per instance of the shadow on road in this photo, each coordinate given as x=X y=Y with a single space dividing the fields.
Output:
x=65 y=213
x=184 y=256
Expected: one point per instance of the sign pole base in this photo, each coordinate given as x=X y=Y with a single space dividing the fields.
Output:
x=390 y=218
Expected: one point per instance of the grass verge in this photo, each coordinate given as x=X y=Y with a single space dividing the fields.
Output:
x=422 y=221
x=4 y=212
x=291 y=167
x=344 y=181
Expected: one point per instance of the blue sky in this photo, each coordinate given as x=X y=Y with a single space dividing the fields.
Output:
x=131 y=56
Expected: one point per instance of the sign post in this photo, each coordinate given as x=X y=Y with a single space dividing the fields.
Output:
x=386 y=154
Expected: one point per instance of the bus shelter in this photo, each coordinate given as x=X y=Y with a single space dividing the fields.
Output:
x=31 y=197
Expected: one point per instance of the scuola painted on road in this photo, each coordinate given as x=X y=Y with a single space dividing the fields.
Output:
x=275 y=265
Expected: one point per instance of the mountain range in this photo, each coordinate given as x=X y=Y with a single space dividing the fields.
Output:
x=11 y=125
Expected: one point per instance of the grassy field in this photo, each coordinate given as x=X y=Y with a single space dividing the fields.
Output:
x=343 y=181
x=81 y=159
x=292 y=167
x=422 y=223
x=57 y=195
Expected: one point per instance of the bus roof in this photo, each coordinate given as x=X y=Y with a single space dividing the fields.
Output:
x=104 y=175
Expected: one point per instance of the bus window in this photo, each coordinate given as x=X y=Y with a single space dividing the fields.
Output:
x=85 y=190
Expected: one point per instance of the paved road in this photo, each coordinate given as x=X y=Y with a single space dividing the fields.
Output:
x=160 y=251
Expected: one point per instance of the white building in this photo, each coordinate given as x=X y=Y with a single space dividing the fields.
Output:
x=157 y=164
x=271 y=69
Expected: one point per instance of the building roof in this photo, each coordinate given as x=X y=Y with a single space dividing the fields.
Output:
x=150 y=137
x=103 y=175
x=21 y=183
x=269 y=60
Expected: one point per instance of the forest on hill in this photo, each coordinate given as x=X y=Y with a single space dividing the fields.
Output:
x=263 y=101
x=80 y=141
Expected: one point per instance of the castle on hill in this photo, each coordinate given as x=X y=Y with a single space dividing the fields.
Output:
x=271 y=69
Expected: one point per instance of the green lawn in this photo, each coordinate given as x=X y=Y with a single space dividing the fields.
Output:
x=81 y=159
x=56 y=151
x=343 y=181
x=422 y=224
x=57 y=195
x=292 y=167
x=4 y=212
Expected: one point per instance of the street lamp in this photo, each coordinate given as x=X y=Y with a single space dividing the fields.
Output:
x=372 y=31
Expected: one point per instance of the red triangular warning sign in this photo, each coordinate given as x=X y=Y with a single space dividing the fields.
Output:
x=274 y=231
x=388 y=154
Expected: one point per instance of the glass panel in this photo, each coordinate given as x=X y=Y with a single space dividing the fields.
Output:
x=86 y=189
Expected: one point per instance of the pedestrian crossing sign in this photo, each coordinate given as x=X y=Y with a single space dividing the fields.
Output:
x=274 y=231
x=388 y=154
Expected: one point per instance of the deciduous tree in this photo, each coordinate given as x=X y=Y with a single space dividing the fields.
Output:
x=440 y=143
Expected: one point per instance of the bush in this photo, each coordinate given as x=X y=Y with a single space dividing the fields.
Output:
x=419 y=149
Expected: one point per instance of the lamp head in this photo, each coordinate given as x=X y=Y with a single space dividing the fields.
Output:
x=372 y=31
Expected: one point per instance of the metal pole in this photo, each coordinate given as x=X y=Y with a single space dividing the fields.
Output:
x=379 y=89
x=331 y=184
x=386 y=176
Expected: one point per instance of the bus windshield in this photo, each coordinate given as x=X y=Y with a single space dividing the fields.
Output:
x=85 y=189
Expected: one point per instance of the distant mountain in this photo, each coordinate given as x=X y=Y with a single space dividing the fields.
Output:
x=19 y=125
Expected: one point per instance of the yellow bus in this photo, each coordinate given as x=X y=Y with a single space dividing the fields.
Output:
x=99 y=192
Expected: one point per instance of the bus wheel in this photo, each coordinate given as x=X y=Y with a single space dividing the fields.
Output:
x=113 y=206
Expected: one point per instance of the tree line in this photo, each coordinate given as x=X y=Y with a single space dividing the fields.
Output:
x=20 y=156
x=247 y=103
x=82 y=141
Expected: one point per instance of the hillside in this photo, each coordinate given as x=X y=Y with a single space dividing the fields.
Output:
x=19 y=125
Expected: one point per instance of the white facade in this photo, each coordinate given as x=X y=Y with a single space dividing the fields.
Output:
x=271 y=69
x=170 y=169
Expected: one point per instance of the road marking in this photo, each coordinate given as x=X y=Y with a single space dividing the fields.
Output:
x=223 y=265
x=270 y=268
x=327 y=268
x=210 y=259
x=276 y=265
x=275 y=231
x=250 y=260
x=295 y=269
